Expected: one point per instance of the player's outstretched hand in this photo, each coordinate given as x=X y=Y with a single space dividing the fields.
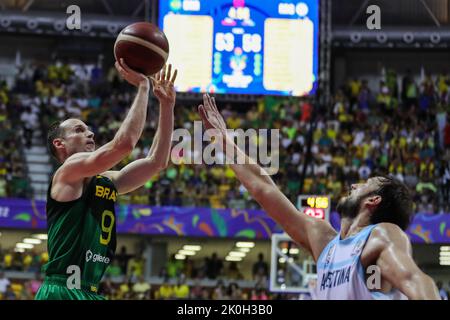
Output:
x=132 y=77
x=163 y=86
x=211 y=117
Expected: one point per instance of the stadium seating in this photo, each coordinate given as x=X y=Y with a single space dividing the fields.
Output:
x=365 y=131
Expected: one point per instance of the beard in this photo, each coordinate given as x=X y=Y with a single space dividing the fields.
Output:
x=348 y=207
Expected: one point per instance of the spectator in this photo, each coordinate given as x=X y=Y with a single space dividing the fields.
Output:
x=260 y=270
x=124 y=291
x=174 y=267
x=447 y=133
x=206 y=294
x=140 y=288
x=409 y=93
x=442 y=292
x=445 y=173
x=4 y=283
x=136 y=267
x=196 y=292
x=123 y=258
x=35 y=283
x=107 y=289
x=234 y=292
x=220 y=291
x=233 y=272
x=214 y=267
x=30 y=123
x=8 y=260
x=165 y=291
x=9 y=293
x=189 y=269
x=259 y=294
x=203 y=269
x=181 y=289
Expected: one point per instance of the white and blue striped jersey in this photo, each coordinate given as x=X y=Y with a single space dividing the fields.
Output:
x=340 y=274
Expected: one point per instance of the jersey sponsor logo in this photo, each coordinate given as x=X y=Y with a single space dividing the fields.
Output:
x=335 y=278
x=357 y=248
x=105 y=193
x=96 y=257
x=88 y=255
x=329 y=255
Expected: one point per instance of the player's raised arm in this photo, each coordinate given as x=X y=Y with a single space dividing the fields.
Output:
x=398 y=267
x=138 y=172
x=311 y=233
x=86 y=164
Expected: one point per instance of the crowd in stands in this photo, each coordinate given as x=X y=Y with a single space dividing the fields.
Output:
x=124 y=278
x=28 y=261
x=13 y=174
x=210 y=268
x=20 y=289
x=401 y=130
x=167 y=290
x=399 y=127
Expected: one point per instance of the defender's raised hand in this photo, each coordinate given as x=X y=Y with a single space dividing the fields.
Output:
x=163 y=86
x=211 y=117
x=132 y=77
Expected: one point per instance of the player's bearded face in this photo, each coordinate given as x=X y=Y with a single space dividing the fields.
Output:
x=348 y=207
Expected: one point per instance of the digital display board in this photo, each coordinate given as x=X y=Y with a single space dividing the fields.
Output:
x=243 y=46
x=315 y=206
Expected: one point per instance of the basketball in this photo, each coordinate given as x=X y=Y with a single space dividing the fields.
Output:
x=143 y=46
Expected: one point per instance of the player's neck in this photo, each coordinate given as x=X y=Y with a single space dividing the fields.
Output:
x=350 y=227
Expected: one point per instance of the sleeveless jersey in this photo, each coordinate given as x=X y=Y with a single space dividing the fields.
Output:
x=82 y=232
x=340 y=274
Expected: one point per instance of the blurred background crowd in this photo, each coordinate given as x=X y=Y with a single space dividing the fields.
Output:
x=212 y=278
x=124 y=279
x=400 y=127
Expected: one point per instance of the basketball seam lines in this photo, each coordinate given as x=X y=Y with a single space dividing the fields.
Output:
x=149 y=45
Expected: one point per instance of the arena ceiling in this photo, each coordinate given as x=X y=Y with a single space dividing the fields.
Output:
x=393 y=13
x=344 y=12
x=100 y=7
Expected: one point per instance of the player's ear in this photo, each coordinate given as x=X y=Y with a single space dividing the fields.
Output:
x=58 y=143
x=374 y=201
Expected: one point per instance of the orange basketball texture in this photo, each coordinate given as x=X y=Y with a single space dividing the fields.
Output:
x=143 y=47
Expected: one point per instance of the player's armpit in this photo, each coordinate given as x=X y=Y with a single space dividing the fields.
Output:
x=88 y=164
x=311 y=233
x=398 y=267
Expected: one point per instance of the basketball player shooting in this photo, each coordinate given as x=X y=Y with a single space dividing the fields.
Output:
x=82 y=193
x=374 y=216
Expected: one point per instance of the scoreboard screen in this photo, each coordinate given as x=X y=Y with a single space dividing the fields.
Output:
x=243 y=46
x=315 y=206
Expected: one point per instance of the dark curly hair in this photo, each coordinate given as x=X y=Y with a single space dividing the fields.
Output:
x=396 y=203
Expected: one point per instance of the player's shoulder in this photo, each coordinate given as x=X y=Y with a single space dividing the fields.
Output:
x=389 y=233
x=58 y=181
x=382 y=237
x=388 y=227
x=67 y=168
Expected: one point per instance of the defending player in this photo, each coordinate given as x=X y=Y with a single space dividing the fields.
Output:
x=374 y=215
x=80 y=200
